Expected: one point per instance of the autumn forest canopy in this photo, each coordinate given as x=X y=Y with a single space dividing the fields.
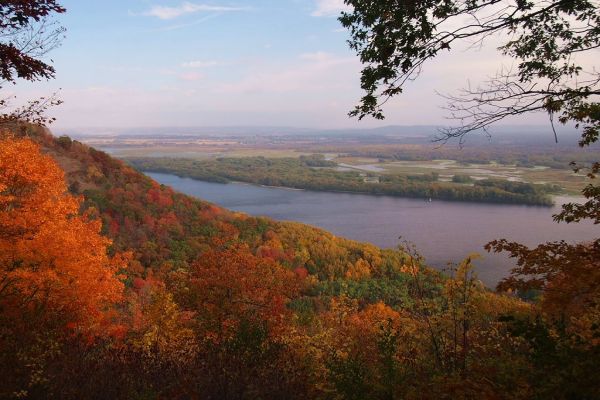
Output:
x=113 y=286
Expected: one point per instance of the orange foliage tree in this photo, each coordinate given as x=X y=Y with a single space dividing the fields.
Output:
x=57 y=280
x=242 y=322
x=50 y=256
x=232 y=286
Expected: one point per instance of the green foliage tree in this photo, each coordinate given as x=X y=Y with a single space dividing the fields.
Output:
x=394 y=39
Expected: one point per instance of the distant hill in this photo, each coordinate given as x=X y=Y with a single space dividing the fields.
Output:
x=394 y=130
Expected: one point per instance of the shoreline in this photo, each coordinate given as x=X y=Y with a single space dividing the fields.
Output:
x=425 y=199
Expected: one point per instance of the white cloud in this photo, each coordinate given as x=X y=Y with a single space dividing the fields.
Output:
x=165 y=12
x=197 y=64
x=330 y=8
x=187 y=25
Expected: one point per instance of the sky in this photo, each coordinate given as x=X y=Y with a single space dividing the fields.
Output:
x=158 y=63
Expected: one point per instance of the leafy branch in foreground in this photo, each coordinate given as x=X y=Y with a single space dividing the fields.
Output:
x=395 y=39
x=27 y=34
x=33 y=112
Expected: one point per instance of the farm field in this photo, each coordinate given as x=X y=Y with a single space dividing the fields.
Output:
x=570 y=182
x=362 y=155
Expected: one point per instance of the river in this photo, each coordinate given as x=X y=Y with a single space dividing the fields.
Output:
x=442 y=231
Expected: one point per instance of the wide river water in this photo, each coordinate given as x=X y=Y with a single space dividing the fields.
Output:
x=442 y=231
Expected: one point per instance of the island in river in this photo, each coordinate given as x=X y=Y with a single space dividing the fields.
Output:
x=316 y=173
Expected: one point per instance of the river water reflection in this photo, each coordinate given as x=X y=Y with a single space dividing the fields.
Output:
x=442 y=231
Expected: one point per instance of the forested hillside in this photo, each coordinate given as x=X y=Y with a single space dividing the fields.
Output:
x=167 y=229
x=123 y=288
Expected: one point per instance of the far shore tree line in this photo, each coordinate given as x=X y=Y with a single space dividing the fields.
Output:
x=314 y=173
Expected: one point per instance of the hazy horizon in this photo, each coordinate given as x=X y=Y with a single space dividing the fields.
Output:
x=500 y=131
